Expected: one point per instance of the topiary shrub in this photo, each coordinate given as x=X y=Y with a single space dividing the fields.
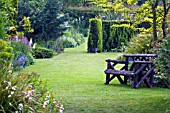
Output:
x=140 y=44
x=41 y=52
x=163 y=64
x=106 y=26
x=95 y=39
x=120 y=35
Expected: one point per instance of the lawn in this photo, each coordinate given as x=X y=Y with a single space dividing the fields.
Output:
x=78 y=78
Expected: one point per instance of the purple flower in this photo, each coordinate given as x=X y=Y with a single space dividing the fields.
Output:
x=22 y=61
x=25 y=40
x=30 y=43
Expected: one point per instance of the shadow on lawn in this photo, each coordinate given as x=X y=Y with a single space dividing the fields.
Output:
x=118 y=85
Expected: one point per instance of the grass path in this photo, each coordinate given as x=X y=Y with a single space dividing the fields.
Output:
x=77 y=77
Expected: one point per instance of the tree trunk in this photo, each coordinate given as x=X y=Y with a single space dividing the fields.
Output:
x=155 y=37
x=165 y=21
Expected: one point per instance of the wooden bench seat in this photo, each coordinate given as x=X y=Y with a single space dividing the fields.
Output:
x=119 y=72
x=140 y=70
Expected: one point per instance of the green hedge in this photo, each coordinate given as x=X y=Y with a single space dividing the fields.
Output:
x=95 y=35
x=109 y=35
x=106 y=26
x=120 y=35
x=41 y=52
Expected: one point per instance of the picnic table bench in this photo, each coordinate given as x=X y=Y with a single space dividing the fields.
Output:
x=137 y=68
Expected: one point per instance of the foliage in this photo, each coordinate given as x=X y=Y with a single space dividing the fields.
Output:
x=22 y=55
x=5 y=57
x=120 y=35
x=95 y=39
x=8 y=12
x=106 y=26
x=56 y=46
x=46 y=18
x=52 y=45
x=67 y=3
x=25 y=27
x=153 y=11
x=2 y=26
x=26 y=93
x=72 y=38
x=68 y=42
x=140 y=44
x=77 y=77
x=163 y=64
x=42 y=52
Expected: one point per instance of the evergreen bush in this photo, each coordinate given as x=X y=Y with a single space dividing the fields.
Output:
x=2 y=26
x=5 y=58
x=163 y=64
x=42 y=52
x=95 y=39
x=120 y=35
x=140 y=44
x=116 y=42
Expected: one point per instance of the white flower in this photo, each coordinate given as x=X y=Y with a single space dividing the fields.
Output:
x=61 y=109
x=5 y=81
x=30 y=98
x=10 y=104
x=12 y=92
x=10 y=71
x=20 y=106
x=46 y=104
x=7 y=87
x=9 y=83
x=9 y=96
x=14 y=88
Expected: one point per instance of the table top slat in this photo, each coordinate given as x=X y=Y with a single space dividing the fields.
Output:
x=140 y=55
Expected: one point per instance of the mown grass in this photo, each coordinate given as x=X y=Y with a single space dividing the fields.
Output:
x=77 y=77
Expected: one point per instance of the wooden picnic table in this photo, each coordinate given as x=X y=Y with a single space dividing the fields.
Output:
x=141 y=69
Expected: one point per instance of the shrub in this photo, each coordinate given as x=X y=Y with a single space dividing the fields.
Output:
x=26 y=93
x=52 y=45
x=106 y=26
x=78 y=38
x=120 y=35
x=140 y=44
x=22 y=55
x=56 y=46
x=41 y=52
x=23 y=93
x=68 y=42
x=163 y=64
x=72 y=38
x=5 y=58
x=2 y=25
x=95 y=39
